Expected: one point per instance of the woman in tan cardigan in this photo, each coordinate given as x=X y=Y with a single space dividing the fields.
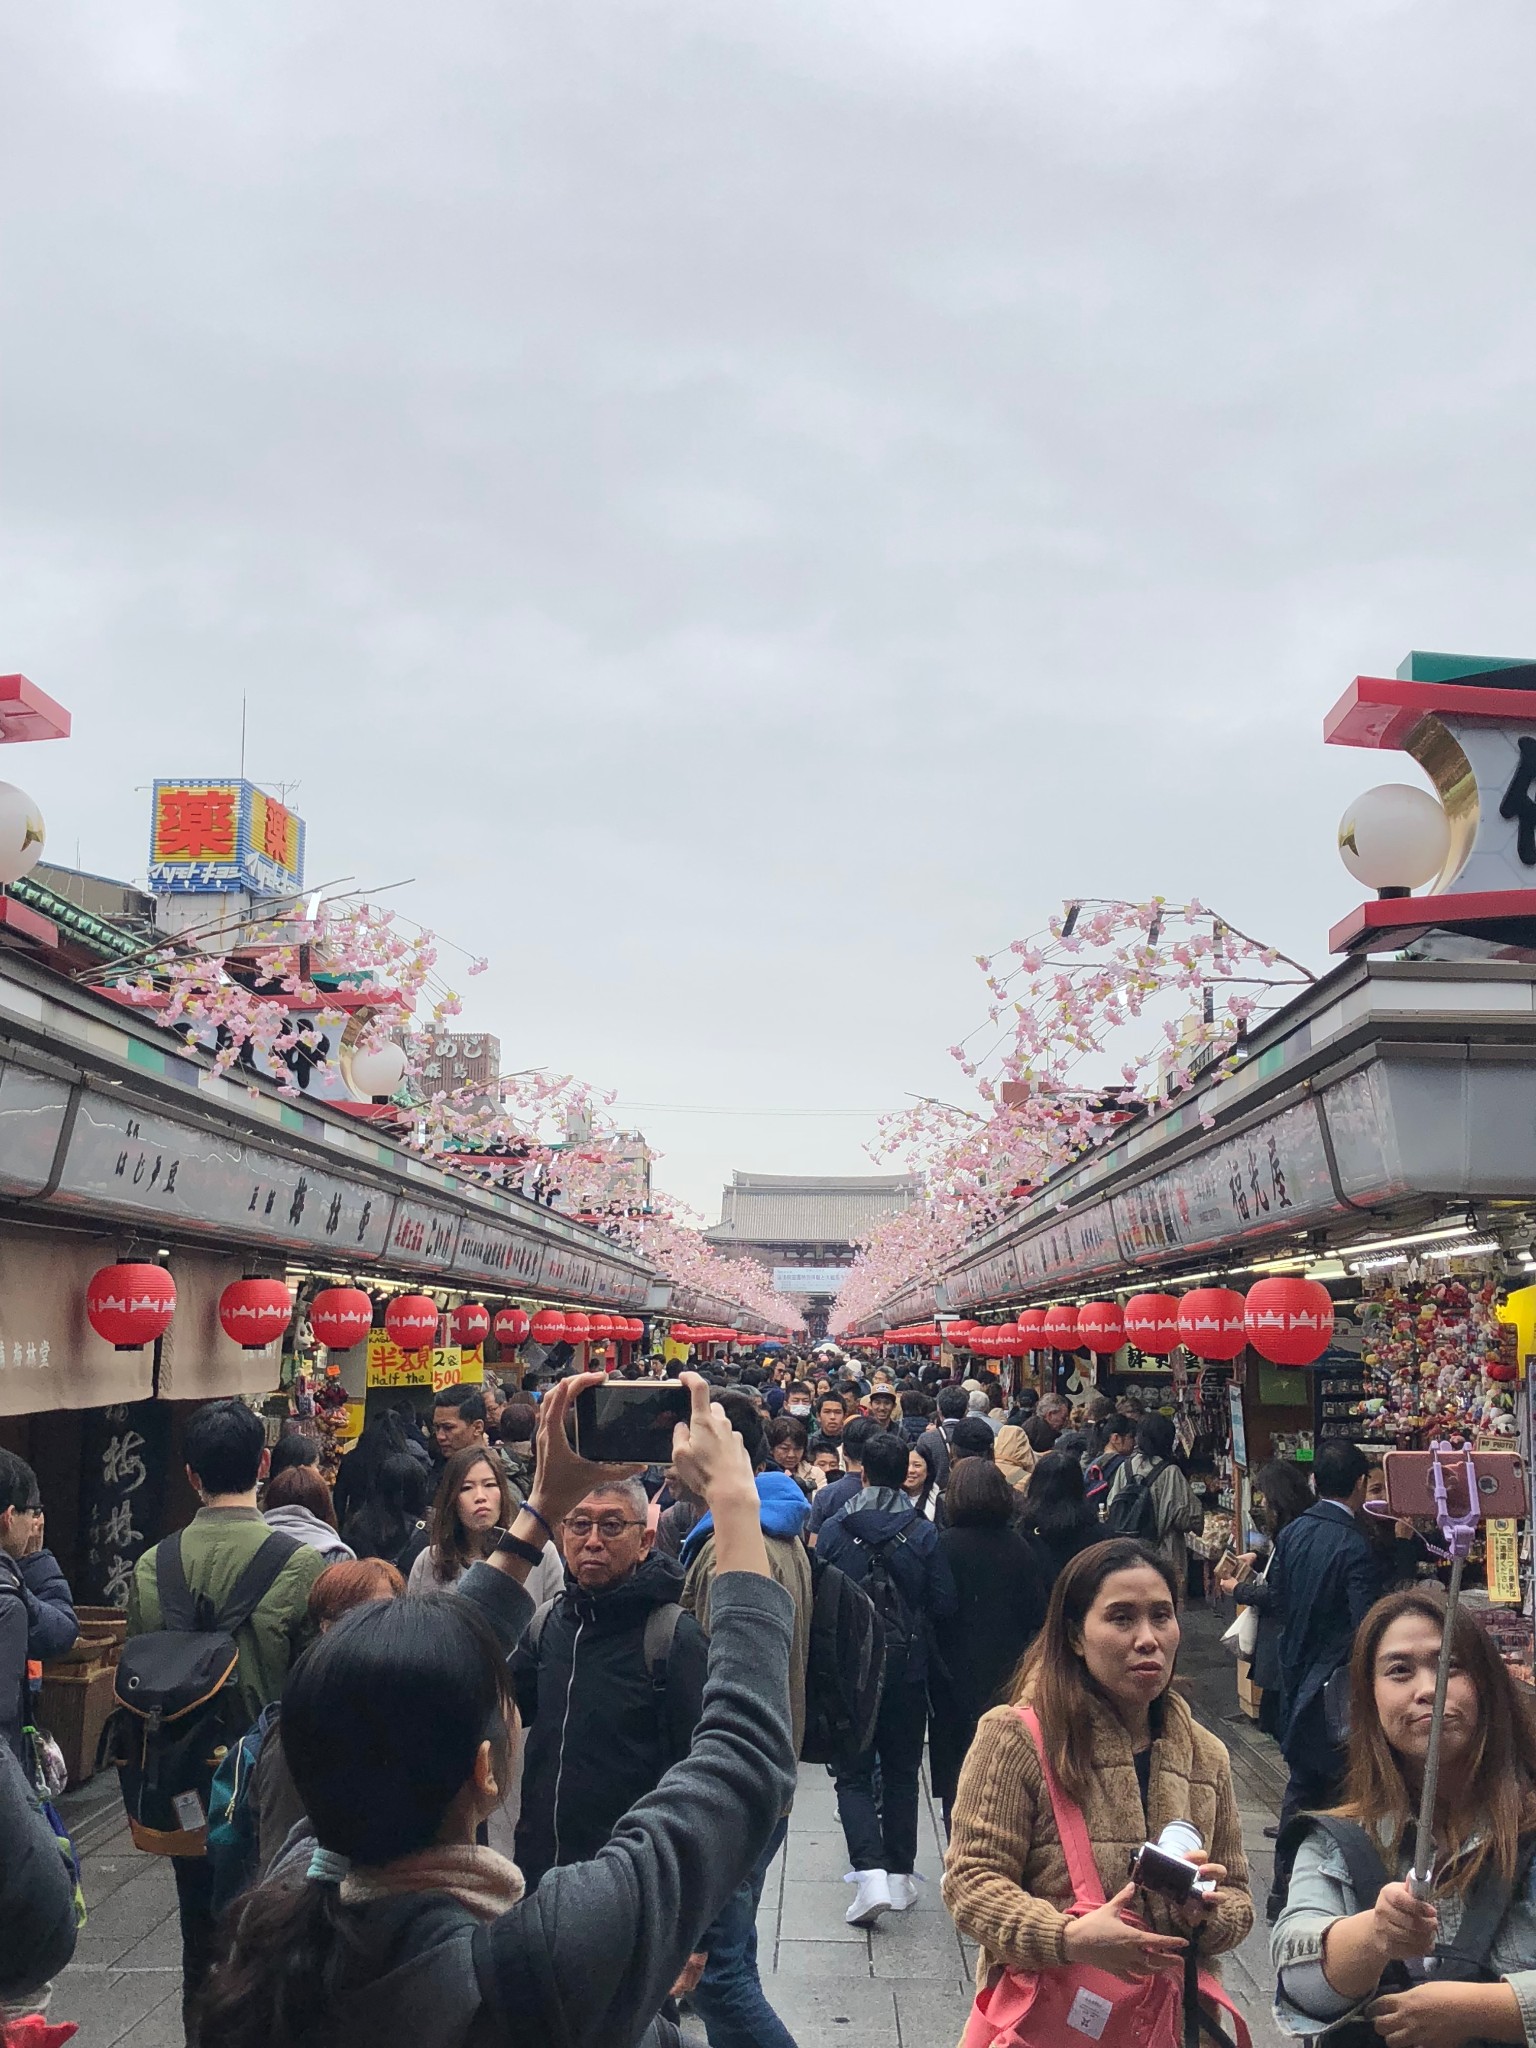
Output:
x=1128 y=1751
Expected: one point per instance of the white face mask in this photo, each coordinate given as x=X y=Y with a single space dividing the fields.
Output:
x=799 y=1407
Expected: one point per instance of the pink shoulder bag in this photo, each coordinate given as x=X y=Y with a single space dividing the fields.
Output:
x=1075 y=2003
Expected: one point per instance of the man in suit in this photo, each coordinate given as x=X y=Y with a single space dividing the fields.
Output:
x=1325 y=1576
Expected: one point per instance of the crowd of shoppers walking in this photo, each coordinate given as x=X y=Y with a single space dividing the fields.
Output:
x=545 y=1805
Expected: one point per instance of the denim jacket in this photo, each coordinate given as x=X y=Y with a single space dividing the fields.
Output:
x=1320 y=1893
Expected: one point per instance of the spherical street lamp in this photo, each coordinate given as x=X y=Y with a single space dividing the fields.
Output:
x=1394 y=838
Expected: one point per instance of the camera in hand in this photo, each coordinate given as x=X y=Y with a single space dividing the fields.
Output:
x=1168 y=1866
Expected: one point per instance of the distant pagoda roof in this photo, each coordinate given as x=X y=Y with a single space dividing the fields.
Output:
x=789 y=1209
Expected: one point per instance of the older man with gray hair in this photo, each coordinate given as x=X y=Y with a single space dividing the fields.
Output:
x=609 y=1681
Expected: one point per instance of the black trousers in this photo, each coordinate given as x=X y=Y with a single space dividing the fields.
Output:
x=1316 y=1781
x=882 y=1833
x=194 y=1902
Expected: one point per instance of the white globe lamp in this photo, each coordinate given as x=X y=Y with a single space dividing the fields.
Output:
x=21 y=833
x=377 y=1074
x=1394 y=838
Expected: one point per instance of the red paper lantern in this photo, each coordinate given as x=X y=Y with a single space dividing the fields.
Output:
x=959 y=1335
x=1032 y=1327
x=602 y=1327
x=577 y=1327
x=1101 y=1326
x=340 y=1317
x=130 y=1306
x=1152 y=1323
x=1289 y=1320
x=1010 y=1343
x=1060 y=1330
x=411 y=1321
x=253 y=1312
x=470 y=1324
x=1211 y=1322
x=512 y=1326
x=634 y=1329
x=547 y=1327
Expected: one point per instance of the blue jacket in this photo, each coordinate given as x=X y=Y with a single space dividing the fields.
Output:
x=1325 y=1576
x=916 y=1563
x=51 y=1623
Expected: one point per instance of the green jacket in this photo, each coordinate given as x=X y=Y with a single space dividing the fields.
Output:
x=216 y=1547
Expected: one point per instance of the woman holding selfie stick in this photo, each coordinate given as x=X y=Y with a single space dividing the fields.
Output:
x=1094 y=1749
x=392 y=1928
x=1353 y=1936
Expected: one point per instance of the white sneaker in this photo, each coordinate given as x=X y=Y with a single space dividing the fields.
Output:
x=904 y=1888
x=874 y=1897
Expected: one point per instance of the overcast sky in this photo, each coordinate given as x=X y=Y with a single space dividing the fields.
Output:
x=752 y=504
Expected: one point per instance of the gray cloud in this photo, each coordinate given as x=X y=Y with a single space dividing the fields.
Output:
x=752 y=505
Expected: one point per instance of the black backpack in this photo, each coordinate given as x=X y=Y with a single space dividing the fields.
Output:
x=1463 y=1961
x=1133 y=1512
x=903 y=1629
x=845 y=1669
x=178 y=1704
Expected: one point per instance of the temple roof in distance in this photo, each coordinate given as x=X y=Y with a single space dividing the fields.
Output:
x=790 y=1209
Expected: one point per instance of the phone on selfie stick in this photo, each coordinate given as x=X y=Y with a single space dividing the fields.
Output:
x=1458 y=1488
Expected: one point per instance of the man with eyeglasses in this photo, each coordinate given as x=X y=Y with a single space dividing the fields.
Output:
x=609 y=1681
x=37 y=1614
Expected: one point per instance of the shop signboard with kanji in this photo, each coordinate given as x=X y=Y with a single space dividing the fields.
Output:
x=214 y=837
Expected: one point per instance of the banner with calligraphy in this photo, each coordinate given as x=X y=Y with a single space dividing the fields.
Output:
x=50 y=1357
x=124 y=1465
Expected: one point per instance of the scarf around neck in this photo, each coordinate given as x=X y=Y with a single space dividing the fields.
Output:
x=480 y=1879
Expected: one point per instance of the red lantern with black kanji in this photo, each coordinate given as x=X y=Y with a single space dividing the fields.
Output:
x=253 y=1312
x=511 y=1326
x=547 y=1327
x=130 y=1306
x=340 y=1317
x=577 y=1327
x=411 y=1322
x=1101 y=1326
x=1032 y=1328
x=1211 y=1322
x=1060 y=1330
x=1289 y=1320
x=470 y=1324
x=1152 y=1323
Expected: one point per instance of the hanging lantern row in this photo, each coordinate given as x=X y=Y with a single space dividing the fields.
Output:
x=1287 y=1319
x=130 y=1305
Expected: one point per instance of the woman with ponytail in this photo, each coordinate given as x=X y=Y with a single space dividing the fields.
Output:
x=391 y=1927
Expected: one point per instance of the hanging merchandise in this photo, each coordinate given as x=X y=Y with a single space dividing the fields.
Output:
x=1438 y=1355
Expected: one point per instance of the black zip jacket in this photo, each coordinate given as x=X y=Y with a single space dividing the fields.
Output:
x=600 y=1733
x=589 y=1958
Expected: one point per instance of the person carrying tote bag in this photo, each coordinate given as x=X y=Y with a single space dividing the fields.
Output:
x=1092 y=1757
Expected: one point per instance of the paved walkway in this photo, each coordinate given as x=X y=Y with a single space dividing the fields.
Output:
x=905 y=1983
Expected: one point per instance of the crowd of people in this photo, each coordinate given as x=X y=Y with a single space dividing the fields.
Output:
x=514 y=1737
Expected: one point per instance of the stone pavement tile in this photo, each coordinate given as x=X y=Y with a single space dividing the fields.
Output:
x=803 y=1960
x=927 y=1948
x=849 y=2015
x=134 y=1908
x=160 y=1949
x=930 y=2015
x=105 y=2004
x=813 y=1910
x=159 y=2029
